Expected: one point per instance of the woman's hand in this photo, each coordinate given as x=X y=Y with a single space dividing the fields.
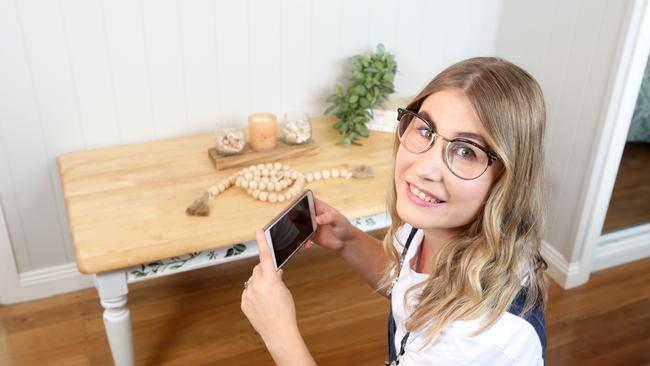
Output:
x=266 y=301
x=334 y=230
x=268 y=305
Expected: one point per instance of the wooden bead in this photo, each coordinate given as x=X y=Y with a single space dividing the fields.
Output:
x=294 y=175
x=287 y=195
x=317 y=176
x=256 y=193
x=264 y=180
x=277 y=166
x=309 y=177
x=273 y=197
x=281 y=197
x=326 y=174
x=248 y=175
x=278 y=187
x=263 y=196
x=335 y=173
x=273 y=172
x=268 y=166
x=244 y=184
x=265 y=172
x=259 y=167
x=253 y=184
x=213 y=191
x=262 y=185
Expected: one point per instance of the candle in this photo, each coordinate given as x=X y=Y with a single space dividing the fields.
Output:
x=262 y=131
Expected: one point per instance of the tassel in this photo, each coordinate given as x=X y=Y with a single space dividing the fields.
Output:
x=200 y=206
x=363 y=172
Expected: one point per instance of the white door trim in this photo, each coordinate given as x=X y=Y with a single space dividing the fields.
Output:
x=9 y=280
x=610 y=144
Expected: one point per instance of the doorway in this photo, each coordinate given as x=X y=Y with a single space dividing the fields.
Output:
x=629 y=205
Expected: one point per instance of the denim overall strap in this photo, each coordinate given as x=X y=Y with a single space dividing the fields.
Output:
x=392 y=327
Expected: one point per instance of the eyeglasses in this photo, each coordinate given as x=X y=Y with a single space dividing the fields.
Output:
x=464 y=158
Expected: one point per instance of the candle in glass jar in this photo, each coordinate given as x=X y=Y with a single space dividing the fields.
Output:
x=262 y=131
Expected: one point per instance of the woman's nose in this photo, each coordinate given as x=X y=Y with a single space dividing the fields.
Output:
x=430 y=163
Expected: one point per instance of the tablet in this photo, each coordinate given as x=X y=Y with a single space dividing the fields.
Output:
x=291 y=229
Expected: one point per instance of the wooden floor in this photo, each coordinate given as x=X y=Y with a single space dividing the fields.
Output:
x=195 y=319
x=630 y=202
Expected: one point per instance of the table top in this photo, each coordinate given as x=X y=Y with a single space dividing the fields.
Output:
x=126 y=205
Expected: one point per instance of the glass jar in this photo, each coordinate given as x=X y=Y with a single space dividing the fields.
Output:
x=230 y=139
x=296 y=128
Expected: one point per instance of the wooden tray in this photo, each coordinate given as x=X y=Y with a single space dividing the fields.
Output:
x=281 y=151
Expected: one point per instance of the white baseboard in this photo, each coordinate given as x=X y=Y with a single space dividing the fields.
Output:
x=47 y=282
x=613 y=249
x=622 y=246
x=565 y=274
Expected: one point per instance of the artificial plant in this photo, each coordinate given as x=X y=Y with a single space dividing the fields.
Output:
x=369 y=84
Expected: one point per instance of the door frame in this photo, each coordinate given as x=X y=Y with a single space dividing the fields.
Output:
x=9 y=280
x=609 y=147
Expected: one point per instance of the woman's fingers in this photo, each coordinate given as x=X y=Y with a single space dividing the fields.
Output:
x=266 y=261
x=325 y=218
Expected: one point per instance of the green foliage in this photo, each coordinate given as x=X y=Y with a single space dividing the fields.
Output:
x=369 y=84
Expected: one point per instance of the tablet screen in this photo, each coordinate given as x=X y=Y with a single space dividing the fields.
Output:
x=291 y=230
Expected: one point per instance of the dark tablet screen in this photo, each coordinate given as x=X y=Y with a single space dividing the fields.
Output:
x=291 y=231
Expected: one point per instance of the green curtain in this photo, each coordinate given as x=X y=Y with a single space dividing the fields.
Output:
x=640 y=126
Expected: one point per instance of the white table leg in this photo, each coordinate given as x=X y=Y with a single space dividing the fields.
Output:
x=112 y=288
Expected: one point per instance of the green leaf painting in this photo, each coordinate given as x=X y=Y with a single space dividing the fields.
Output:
x=640 y=125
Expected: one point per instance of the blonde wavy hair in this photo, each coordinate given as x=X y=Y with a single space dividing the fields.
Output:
x=480 y=271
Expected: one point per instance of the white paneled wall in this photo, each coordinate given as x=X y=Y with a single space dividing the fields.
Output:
x=81 y=74
x=573 y=49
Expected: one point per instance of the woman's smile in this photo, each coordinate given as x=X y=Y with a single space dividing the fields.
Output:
x=420 y=198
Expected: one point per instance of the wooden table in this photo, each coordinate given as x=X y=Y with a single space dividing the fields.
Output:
x=126 y=209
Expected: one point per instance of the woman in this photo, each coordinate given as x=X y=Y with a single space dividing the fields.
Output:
x=460 y=262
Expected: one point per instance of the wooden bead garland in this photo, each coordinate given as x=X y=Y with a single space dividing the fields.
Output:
x=272 y=182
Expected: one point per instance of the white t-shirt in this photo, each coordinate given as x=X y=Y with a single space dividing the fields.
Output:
x=512 y=340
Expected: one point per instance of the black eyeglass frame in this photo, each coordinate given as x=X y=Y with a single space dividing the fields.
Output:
x=491 y=156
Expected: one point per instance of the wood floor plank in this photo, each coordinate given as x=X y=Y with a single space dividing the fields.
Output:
x=630 y=201
x=195 y=318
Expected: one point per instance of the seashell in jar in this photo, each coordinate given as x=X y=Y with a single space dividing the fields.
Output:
x=230 y=141
x=296 y=128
